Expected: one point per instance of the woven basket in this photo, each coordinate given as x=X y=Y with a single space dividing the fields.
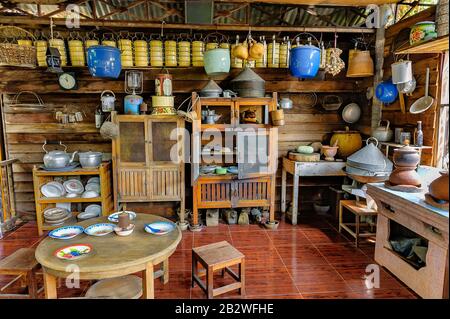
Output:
x=12 y=54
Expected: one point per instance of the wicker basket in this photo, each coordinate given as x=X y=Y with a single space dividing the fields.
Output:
x=12 y=54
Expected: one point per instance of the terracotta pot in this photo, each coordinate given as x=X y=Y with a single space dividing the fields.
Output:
x=348 y=141
x=406 y=157
x=405 y=176
x=439 y=187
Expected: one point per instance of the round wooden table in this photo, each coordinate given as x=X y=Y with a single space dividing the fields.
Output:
x=112 y=256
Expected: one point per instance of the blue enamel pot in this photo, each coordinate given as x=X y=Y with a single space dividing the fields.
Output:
x=386 y=92
x=304 y=61
x=104 y=61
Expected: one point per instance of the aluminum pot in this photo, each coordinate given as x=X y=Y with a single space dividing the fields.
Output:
x=90 y=159
x=401 y=72
x=248 y=84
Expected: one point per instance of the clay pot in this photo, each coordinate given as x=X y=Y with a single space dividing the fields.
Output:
x=405 y=176
x=329 y=152
x=439 y=187
x=406 y=157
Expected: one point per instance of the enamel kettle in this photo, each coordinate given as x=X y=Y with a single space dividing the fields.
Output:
x=107 y=98
x=58 y=158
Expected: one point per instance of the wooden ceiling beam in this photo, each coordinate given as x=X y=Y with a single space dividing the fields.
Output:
x=36 y=21
x=346 y=3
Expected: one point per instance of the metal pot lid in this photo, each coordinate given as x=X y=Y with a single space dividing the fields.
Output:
x=90 y=154
x=211 y=87
x=406 y=150
x=248 y=75
x=363 y=172
x=370 y=158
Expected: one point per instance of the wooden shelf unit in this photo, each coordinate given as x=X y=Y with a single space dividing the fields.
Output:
x=437 y=45
x=41 y=177
x=254 y=185
x=144 y=170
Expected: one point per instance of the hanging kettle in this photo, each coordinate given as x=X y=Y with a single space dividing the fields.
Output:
x=107 y=98
x=305 y=59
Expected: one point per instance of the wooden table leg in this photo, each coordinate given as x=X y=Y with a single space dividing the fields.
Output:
x=357 y=222
x=50 y=286
x=32 y=284
x=242 y=277
x=165 y=277
x=283 y=190
x=209 y=282
x=148 y=282
x=340 y=217
x=295 y=199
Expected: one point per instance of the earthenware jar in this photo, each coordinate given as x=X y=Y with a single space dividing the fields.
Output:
x=439 y=187
x=348 y=141
x=405 y=176
x=406 y=157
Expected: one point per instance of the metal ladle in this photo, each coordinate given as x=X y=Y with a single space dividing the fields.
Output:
x=425 y=102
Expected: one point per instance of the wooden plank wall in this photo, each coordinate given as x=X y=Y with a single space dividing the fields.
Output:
x=26 y=131
x=395 y=36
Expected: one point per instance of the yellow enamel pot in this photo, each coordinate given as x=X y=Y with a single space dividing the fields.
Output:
x=348 y=141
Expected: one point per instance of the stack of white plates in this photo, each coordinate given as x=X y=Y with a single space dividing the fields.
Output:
x=90 y=211
x=74 y=186
x=92 y=188
x=53 y=189
x=56 y=216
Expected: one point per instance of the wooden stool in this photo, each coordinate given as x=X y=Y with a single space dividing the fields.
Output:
x=218 y=256
x=126 y=287
x=358 y=211
x=22 y=264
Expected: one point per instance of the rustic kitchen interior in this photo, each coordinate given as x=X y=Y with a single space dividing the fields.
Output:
x=227 y=149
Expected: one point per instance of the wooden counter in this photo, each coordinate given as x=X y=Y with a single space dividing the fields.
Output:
x=411 y=211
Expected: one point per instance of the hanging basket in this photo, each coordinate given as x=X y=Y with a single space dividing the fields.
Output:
x=12 y=54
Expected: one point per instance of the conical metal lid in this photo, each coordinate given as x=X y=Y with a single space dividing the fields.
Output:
x=211 y=87
x=370 y=158
x=248 y=75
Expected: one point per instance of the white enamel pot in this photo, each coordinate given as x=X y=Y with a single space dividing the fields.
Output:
x=401 y=72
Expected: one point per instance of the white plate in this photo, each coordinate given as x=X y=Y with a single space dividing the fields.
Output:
x=90 y=194
x=94 y=209
x=94 y=180
x=159 y=228
x=67 y=206
x=73 y=186
x=92 y=187
x=86 y=215
x=71 y=195
x=101 y=229
x=51 y=190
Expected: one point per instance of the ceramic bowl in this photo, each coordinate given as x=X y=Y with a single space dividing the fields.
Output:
x=114 y=217
x=100 y=229
x=272 y=225
x=90 y=194
x=66 y=232
x=159 y=228
x=73 y=252
x=321 y=209
x=124 y=232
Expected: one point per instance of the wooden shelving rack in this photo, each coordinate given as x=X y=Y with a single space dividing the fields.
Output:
x=41 y=177
x=437 y=45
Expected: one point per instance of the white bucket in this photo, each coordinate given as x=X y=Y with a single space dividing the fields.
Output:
x=401 y=71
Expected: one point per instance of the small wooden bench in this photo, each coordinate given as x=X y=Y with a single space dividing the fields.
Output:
x=218 y=256
x=23 y=265
x=359 y=212
x=125 y=287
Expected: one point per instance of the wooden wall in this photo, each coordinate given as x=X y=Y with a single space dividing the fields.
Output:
x=26 y=131
x=395 y=37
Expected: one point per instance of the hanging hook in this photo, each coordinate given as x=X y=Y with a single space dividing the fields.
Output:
x=51 y=28
x=162 y=28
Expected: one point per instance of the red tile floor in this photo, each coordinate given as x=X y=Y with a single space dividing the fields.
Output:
x=310 y=260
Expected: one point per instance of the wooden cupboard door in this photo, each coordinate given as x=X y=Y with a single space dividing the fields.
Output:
x=133 y=184
x=254 y=192
x=214 y=194
x=131 y=145
x=166 y=183
x=195 y=151
x=165 y=144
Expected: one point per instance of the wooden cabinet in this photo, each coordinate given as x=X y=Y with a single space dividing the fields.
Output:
x=234 y=141
x=148 y=159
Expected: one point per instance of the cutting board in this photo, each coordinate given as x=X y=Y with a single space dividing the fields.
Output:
x=299 y=157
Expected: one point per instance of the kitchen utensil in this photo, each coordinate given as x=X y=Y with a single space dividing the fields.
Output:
x=124 y=231
x=73 y=186
x=217 y=61
x=305 y=59
x=108 y=98
x=90 y=159
x=232 y=169
x=211 y=90
x=406 y=160
x=229 y=94
x=100 y=229
x=104 y=61
x=439 y=187
x=93 y=209
x=332 y=102
x=360 y=65
x=94 y=179
x=425 y=102
x=370 y=158
x=300 y=157
x=55 y=213
x=348 y=142
x=159 y=228
x=71 y=195
x=386 y=92
x=405 y=138
x=248 y=84
x=52 y=190
x=382 y=133
x=401 y=71
x=67 y=206
x=422 y=31
x=277 y=117
x=307 y=100
x=397 y=132
x=163 y=84
x=90 y=194
x=286 y=103
x=321 y=209
x=57 y=158
x=351 y=113
x=86 y=215
x=93 y=187
x=66 y=232
x=329 y=152
x=73 y=252
x=407 y=87
x=114 y=217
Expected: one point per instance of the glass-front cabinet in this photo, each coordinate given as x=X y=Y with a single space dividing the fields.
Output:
x=147 y=157
x=233 y=153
